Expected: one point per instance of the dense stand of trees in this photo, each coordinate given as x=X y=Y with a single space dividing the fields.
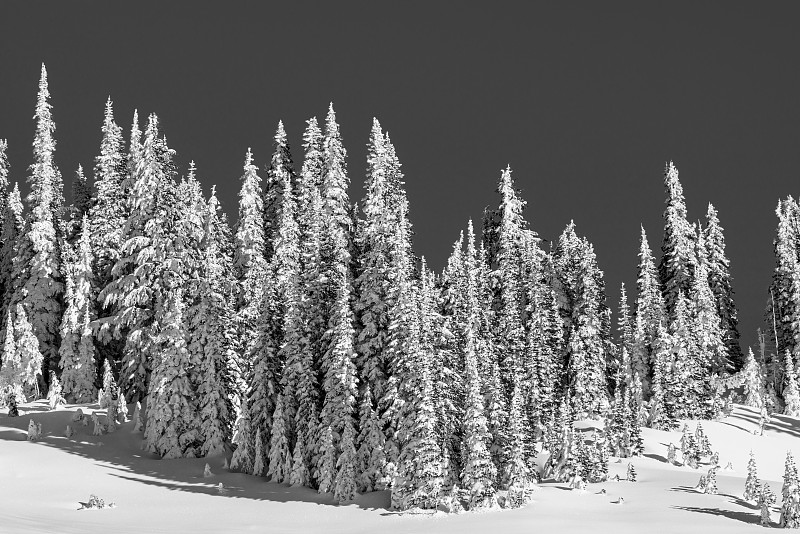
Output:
x=312 y=340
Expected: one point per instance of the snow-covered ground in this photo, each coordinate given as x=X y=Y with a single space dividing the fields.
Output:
x=43 y=482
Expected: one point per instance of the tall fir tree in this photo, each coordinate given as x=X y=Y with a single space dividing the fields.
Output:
x=340 y=381
x=479 y=474
x=719 y=279
x=706 y=326
x=281 y=167
x=586 y=353
x=782 y=309
x=650 y=312
x=677 y=263
x=108 y=214
x=212 y=334
x=77 y=353
x=510 y=334
x=372 y=285
x=312 y=300
x=13 y=228
x=626 y=339
x=5 y=275
x=42 y=289
x=334 y=177
x=249 y=267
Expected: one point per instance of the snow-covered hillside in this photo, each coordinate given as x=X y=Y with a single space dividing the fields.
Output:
x=43 y=483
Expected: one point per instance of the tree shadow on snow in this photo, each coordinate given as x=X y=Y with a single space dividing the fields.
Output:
x=655 y=456
x=751 y=515
x=121 y=450
x=778 y=422
x=744 y=517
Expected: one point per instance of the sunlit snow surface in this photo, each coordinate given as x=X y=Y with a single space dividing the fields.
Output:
x=42 y=484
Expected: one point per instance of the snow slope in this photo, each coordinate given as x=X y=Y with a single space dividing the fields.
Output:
x=43 y=483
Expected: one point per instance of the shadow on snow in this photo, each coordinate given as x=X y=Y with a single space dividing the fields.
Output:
x=121 y=450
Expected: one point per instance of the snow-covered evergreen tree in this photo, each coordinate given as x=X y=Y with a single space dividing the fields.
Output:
x=78 y=366
x=311 y=304
x=280 y=460
x=243 y=458
x=249 y=265
x=334 y=177
x=31 y=360
x=791 y=393
x=344 y=486
x=263 y=378
x=650 y=312
x=371 y=442
x=149 y=257
x=373 y=240
x=279 y=173
x=662 y=404
x=172 y=419
x=586 y=371
x=790 y=507
x=325 y=473
x=479 y=472
x=10 y=362
x=82 y=200
x=782 y=310
x=109 y=386
x=753 y=382
x=719 y=279
x=706 y=327
x=11 y=269
x=213 y=329
x=519 y=479
x=751 y=484
x=108 y=214
x=677 y=263
x=5 y=280
x=509 y=335
x=626 y=337
x=337 y=363
x=42 y=288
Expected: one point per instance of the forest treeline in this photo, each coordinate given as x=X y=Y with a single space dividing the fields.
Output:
x=310 y=339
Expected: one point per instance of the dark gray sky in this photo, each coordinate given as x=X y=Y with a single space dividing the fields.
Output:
x=586 y=101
